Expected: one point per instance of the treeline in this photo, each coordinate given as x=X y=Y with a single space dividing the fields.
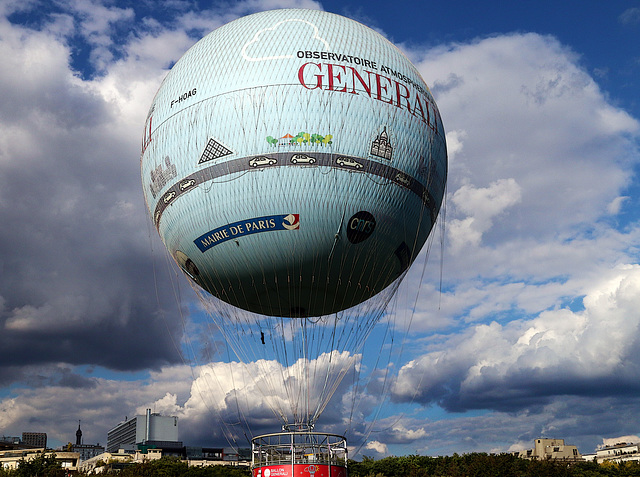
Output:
x=46 y=466
x=485 y=465
x=466 y=465
x=172 y=467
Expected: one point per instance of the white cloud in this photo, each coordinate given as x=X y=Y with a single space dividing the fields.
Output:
x=541 y=161
x=631 y=16
x=616 y=204
x=254 y=394
x=455 y=143
x=408 y=435
x=530 y=114
x=568 y=352
x=378 y=447
x=612 y=441
x=96 y=23
x=480 y=205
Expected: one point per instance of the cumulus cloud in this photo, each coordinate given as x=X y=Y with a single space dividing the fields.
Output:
x=612 y=441
x=215 y=402
x=377 y=446
x=76 y=257
x=538 y=119
x=265 y=391
x=560 y=352
x=97 y=23
x=480 y=205
x=538 y=289
x=455 y=143
x=526 y=221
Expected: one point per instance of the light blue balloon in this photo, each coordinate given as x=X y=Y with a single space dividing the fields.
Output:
x=294 y=163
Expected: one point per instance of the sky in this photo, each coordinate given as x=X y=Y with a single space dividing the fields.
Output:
x=526 y=322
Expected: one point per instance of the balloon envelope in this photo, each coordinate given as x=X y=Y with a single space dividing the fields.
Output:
x=294 y=163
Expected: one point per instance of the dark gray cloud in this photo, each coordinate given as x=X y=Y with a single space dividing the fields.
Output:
x=77 y=280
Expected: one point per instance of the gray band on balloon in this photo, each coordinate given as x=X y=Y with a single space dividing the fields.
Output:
x=336 y=161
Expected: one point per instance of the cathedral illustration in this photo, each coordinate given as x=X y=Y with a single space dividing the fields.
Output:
x=381 y=147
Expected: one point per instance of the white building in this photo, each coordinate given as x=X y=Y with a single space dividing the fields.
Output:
x=109 y=461
x=87 y=451
x=622 y=452
x=10 y=459
x=150 y=429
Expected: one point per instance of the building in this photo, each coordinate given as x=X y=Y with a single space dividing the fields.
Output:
x=149 y=430
x=206 y=456
x=192 y=455
x=108 y=461
x=10 y=459
x=621 y=452
x=79 y=435
x=241 y=454
x=9 y=442
x=551 y=449
x=34 y=439
x=123 y=436
x=86 y=451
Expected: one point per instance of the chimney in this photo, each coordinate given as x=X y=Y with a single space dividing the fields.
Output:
x=148 y=426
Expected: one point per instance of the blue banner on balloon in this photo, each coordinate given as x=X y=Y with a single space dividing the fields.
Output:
x=256 y=225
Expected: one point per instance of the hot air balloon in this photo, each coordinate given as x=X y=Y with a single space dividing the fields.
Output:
x=294 y=164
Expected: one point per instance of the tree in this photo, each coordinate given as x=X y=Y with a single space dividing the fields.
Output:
x=41 y=466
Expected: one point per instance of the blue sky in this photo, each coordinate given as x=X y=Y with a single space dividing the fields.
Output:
x=532 y=330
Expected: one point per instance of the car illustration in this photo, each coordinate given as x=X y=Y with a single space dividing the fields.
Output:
x=184 y=185
x=302 y=159
x=426 y=197
x=262 y=161
x=348 y=162
x=168 y=197
x=403 y=179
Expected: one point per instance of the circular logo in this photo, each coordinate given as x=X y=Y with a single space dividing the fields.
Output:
x=187 y=264
x=267 y=472
x=360 y=226
x=291 y=222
